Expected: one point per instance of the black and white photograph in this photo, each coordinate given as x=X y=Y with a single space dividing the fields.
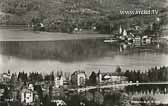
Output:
x=83 y=52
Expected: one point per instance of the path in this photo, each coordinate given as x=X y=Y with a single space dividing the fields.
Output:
x=117 y=85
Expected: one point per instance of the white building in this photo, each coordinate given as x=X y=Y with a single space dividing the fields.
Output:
x=110 y=78
x=27 y=96
x=114 y=79
x=124 y=33
x=6 y=76
x=120 y=30
x=78 y=78
x=31 y=87
x=59 y=102
x=2 y=90
x=59 y=81
x=137 y=41
x=81 y=77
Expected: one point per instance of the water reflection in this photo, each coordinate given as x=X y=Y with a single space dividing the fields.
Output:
x=124 y=96
x=75 y=50
x=147 y=89
x=71 y=55
x=157 y=93
x=99 y=98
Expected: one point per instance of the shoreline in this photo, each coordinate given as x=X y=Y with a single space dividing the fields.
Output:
x=21 y=35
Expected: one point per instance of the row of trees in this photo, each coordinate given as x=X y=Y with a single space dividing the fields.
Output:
x=36 y=77
x=152 y=75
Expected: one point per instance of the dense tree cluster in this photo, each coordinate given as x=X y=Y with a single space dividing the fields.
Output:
x=34 y=77
x=92 y=79
x=152 y=75
x=22 y=76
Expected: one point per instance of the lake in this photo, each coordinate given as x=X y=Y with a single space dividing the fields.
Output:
x=86 y=54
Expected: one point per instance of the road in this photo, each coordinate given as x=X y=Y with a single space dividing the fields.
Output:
x=21 y=35
x=117 y=85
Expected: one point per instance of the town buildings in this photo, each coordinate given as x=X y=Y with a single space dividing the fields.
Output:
x=29 y=93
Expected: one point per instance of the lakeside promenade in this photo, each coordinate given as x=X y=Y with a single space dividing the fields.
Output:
x=117 y=85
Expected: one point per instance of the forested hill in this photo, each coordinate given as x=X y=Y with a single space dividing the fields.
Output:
x=81 y=12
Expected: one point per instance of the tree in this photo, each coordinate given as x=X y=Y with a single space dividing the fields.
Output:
x=124 y=98
x=22 y=76
x=46 y=100
x=67 y=76
x=98 y=98
x=89 y=96
x=52 y=76
x=118 y=70
x=13 y=79
x=92 y=78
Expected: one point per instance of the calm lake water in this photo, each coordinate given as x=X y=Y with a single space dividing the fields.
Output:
x=72 y=55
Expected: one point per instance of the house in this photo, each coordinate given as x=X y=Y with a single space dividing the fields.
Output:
x=120 y=30
x=147 y=39
x=124 y=32
x=59 y=81
x=130 y=37
x=55 y=92
x=78 y=78
x=1 y=78
x=137 y=41
x=45 y=91
x=26 y=96
x=6 y=77
x=2 y=90
x=14 y=95
x=59 y=102
x=31 y=87
x=99 y=77
x=105 y=78
x=66 y=83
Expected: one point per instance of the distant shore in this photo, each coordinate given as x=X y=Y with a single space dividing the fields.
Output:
x=21 y=35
